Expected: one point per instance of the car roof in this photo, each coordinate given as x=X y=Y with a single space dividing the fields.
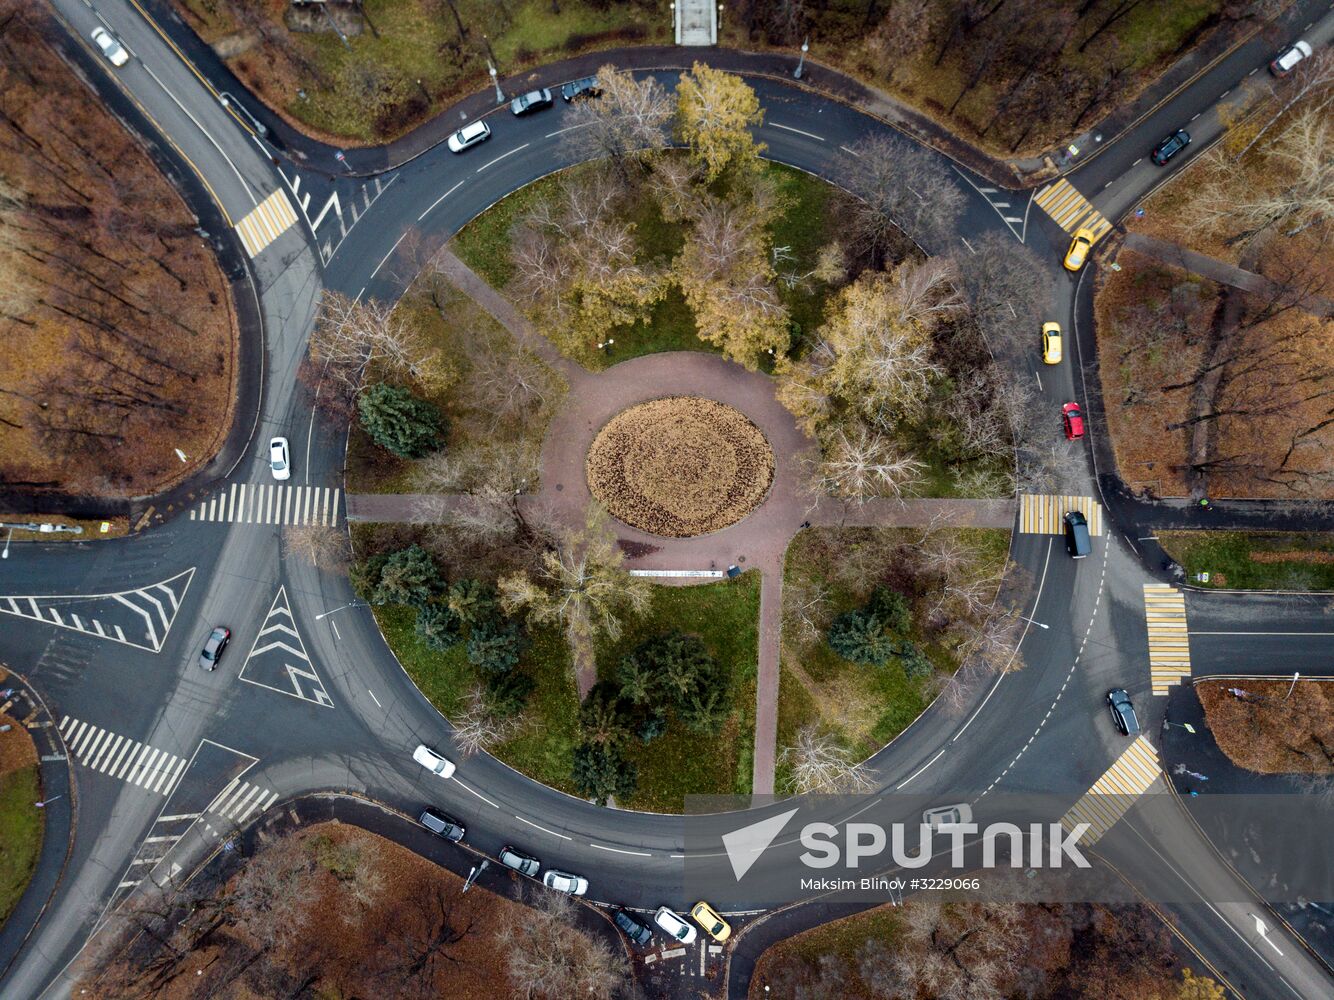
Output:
x=472 y=129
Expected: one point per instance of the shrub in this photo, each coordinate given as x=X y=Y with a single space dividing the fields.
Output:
x=399 y=422
x=439 y=627
x=409 y=577
x=915 y=663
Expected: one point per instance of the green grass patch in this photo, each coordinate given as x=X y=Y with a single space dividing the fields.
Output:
x=21 y=826
x=1254 y=560
x=484 y=243
x=725 y=615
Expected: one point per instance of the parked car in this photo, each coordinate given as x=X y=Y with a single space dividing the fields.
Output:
x=712 y=922
x=1287 y=61
x=667 y=920
x=1123 y=712
x=117 y=56
x=1073 y=420
x=573 y=885
x=1077 y=540
x=445 y=826
x=534 y=100
x=633 y=929
x=432 y=761
x=1079 y=249
x=521 y=863
x=584 y=87
x=279 y=464
x=946 y=816
x=213 y=646
x=1170 y=146
x=1051 y=343
x=469 y=136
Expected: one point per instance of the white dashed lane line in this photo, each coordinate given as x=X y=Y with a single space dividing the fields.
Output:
x=542 y=828
x=617 y=850
x=475 y=792
x=439 y=200
x=789 y=128
x=502 y=156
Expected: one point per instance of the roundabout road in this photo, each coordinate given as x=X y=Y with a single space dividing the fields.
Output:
x=240 y=740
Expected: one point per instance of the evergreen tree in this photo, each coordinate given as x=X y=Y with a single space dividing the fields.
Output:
x=602 y=719
x=862 y=638
x=914 y=661
x=507 y=692
x=495 y=644
x=364 y=575
x=599 y=773
x=891 y=608
x=439 y=627
x=399 y=422
x=472 y=600
x=409 y=576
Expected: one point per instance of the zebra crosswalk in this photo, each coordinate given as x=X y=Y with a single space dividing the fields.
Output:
x=266 y=222
x=1071 y=210
x=1041 y=514
x=271 y=503
x=1169 y=645
x=120 y=757
x=1115 y=792
x=240 y=799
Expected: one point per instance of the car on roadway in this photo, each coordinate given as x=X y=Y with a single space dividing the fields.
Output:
x=571 y=885
x=1051 y=343
x=1123 y=712
x=468 y=136
x=1079 y=249
x=111 y=48
x=1170 y=146
x=1072 y=418
x=633 y=929
x=521 y=863
x=667 y=919
x=1077 y=540
x=432 y=761
x=213 y=646
x=279 y=464
x=1288 y=60
x=445 y=826
x=581 y=89
x=534 y=100
x=712 y=922
x=943 y=817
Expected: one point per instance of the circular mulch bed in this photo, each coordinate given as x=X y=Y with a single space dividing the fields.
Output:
x=680 y=466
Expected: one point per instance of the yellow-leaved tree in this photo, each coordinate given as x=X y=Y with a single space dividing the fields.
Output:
x=715 y=112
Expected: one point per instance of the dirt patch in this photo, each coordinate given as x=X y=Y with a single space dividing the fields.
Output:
x=1274 y=727
x=1324 y=558
x=680 y=466
x=17 y=749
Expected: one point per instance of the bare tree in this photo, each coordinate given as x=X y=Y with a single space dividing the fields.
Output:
x=630 y=118
x=322 y=546
x=1007 y=289
x=901 y=187
x=349 y=336
x=477 y=728
x=865 y=464
x=818 y=763
x=549 y=957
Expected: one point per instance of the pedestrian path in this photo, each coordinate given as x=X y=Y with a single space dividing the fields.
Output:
x=1071 y=210
x=266 y=222
x=120 y=757
x=1043 y=514
x=696 y=22
x=271 y=503
x=240 y=799
x=1169 y=645
x=1115 y=792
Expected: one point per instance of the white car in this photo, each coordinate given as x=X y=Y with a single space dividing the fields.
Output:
x=112 y=49
x=667 y=920
x=432 y=761
x=469 y=136
x=574 y=885
x=943 y=817
x=1288 y=61
x=278 y=461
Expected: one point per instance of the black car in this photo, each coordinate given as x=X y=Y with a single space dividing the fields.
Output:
x=1170 y=146
x=1077 y=541
x=578 y=89
x=633 y=929
x=450 y=829
x=534 y=100
x=217 y=642
x=1123 y=713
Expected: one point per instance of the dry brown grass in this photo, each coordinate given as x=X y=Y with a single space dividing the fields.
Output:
x=680 y=466
x=1269 y=730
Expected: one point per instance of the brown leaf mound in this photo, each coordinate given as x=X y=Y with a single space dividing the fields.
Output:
x=680 y=466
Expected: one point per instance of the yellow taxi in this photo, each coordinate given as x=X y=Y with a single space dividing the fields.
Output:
x=1051 y=343
x=1079 y=249
x=707 y=917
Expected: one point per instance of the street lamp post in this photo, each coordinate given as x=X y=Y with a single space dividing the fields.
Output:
x=606 y=346
x=8 y=536
x=326 y=614
x=1032 y=622
x=801 y=63
x=1295 y=675
x=495 y=82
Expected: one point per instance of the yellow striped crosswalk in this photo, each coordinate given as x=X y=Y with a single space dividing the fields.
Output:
x=1115 y=792
x=1071 y=210
x=270 y=219
x=1169 y=645
x=1042 y=515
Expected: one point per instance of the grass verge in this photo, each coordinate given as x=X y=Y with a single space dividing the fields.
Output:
x=1254 y=560
x=1277 y=727
x=21 y=827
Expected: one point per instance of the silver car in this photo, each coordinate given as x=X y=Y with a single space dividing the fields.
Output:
x=573 y=885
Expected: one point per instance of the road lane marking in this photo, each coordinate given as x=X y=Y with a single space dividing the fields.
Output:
x=502 y=156
x=1044 y=514
x=562 y=131
x=809 y=135
x=542 y=828
x=1169 y=643
x=475 y=792
x=617 y=850
x=440 y=199
x=1112 y=795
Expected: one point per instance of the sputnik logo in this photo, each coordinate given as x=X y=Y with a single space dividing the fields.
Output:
x=745 y=846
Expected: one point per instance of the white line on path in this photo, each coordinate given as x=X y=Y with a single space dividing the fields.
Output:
x=439 y=200
x=542 y=828
x=1193 y=632
x=850 y=152
x=617 y=850
x=373 y=698
x=502 y=156
x=477 y=793
x=809 y=135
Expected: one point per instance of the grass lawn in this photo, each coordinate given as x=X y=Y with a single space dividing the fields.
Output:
x=725 y=615
x=21 y=826
x=1254 y=560
x=864 y=706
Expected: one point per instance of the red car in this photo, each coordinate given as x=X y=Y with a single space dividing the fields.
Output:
x=1073 y=420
